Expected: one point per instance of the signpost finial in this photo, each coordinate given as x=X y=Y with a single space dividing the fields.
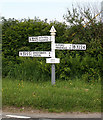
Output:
x=52 y=30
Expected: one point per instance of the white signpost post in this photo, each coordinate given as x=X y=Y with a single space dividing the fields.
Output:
x=51 y=54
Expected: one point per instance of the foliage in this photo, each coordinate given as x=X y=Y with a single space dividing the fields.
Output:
x=87 y=64
x=30 y=70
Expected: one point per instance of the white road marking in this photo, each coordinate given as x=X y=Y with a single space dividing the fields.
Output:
x=16 y=116
x=45 y=119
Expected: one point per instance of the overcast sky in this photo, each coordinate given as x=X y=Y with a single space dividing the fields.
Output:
x=50 y=9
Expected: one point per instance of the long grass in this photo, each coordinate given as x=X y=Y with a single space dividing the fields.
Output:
x=64 y=96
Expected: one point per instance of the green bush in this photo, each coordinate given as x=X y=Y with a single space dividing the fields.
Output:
x=87 y=64
x=30 y=69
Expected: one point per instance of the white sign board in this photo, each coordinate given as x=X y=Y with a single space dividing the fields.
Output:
x=60 y=46
x=78 y=47
x=53 y=60
x=40 y=39
x=35 y=53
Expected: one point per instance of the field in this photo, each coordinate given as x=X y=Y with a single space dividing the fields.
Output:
x=64 y=96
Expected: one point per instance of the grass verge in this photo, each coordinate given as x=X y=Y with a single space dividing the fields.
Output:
x=65 y=96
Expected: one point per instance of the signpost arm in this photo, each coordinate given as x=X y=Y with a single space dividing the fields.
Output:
x=53 y=54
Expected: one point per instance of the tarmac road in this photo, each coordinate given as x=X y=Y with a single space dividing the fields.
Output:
x=51 y=116
x=9 y=118
x=12 y=113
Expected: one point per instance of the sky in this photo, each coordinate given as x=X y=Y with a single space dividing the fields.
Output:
x=50 y=9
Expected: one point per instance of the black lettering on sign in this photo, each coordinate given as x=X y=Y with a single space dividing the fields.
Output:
x=73 y=46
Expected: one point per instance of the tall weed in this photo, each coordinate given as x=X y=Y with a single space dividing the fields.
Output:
x=29 y=69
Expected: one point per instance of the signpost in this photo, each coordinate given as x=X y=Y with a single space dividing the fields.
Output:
x=50 y=54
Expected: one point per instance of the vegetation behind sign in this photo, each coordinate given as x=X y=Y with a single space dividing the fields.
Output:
x=82 y=64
